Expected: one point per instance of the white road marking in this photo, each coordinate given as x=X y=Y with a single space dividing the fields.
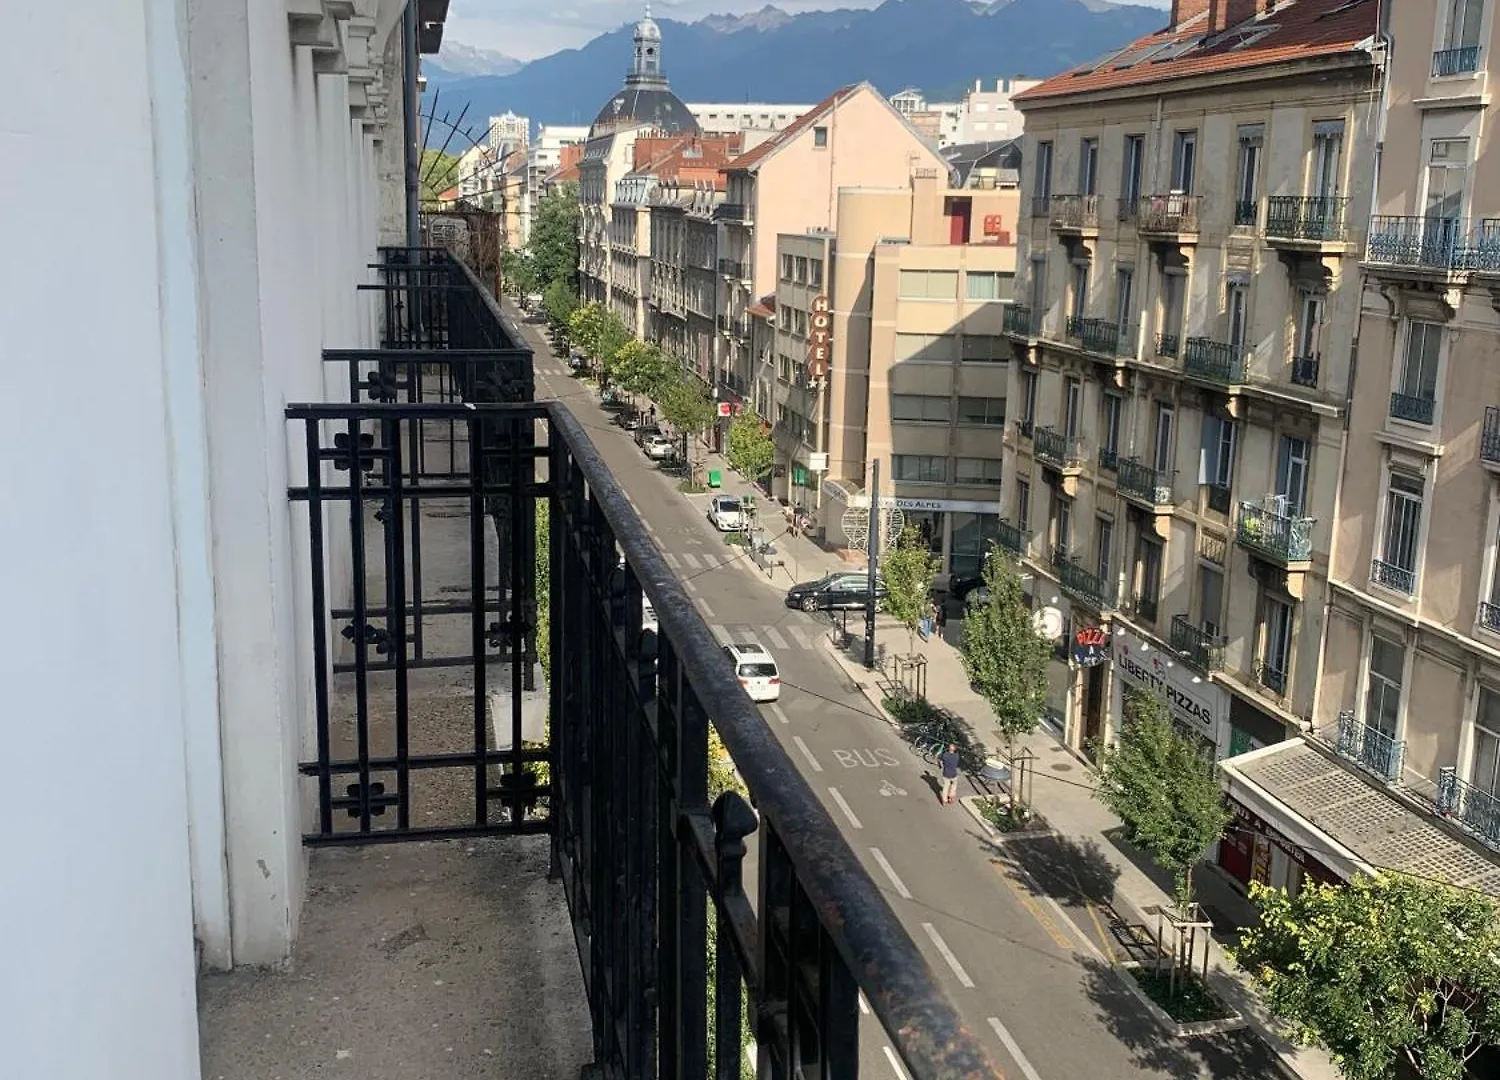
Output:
x=672 y=560
x=947 y=954
x=890 y=872
x=844 y=806
x=1078 y=933
x=775 y=638
x=779 y=713
x=807 y=753
x=689 y=561
x=864 y=1006
x=720 y=635
x=890 y=1055
x=691 y=586
x=801 y=636
x=708 y=612
x=1014 y=1050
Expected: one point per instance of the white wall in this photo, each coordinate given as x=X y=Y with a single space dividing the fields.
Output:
x=155 y=658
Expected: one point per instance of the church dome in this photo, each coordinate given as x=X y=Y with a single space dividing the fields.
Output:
x=646 y=98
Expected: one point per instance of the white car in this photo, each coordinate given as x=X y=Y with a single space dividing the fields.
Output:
x=756 y=670
x=659 y=448
x=648 y=617
x=726 y=512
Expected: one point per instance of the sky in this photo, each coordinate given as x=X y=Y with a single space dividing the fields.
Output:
x=526 y=29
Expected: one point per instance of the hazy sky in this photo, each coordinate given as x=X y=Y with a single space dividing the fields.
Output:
x=527 y=29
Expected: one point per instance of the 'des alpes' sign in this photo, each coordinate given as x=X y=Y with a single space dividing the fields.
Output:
x=819 y=338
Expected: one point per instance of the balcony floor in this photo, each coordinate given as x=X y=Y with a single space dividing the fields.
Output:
x=439 y=960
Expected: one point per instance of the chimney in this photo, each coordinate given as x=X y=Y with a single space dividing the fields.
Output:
x=1226 y=13
x=1183 y=10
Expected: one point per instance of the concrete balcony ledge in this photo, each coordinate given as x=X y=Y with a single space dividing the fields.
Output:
x=445 y=960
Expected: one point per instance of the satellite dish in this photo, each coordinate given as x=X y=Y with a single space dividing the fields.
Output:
x=1048 y=623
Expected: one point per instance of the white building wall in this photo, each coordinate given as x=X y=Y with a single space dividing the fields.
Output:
x=157 y=676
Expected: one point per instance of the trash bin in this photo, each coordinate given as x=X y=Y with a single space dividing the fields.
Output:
x=714 y=478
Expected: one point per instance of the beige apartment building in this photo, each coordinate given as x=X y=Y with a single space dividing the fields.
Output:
x=1402 y=768
x=789 y=184
x=684 y=272
x=1188 y=294
x=913 y=285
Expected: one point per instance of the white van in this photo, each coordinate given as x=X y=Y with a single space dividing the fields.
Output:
x=756 y=669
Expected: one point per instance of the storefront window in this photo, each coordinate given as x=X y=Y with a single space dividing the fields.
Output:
x=929 y=526
x=972 y=536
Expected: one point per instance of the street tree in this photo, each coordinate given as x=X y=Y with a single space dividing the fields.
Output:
x=907 y=571
x=1158 y=783
x=554 y=238
x=1384 y=972
x=751 y=450
x=518 y=272
x=438 y=172
x=1004 y=658
x=584 y=325
x=641 y=368
x=612 y=337
x=688 y=409
x=560 y=301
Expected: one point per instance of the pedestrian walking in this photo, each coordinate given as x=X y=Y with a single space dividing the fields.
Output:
x=950 y=773
x=940 y=616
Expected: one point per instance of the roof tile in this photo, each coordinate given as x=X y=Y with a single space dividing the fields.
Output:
x=754 y=156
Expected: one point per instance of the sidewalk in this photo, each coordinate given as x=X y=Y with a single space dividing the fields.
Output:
x=1062 y=794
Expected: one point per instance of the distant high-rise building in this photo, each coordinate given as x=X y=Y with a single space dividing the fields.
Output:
x=988 y=115
x=510 y=132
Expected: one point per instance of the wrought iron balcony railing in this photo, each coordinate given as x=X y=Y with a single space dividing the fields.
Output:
x=1438 y=244
x=1198 y=646
x=1081 y=582
x=1011 y=537
x=1139 y=481
x=1109 y=460
x=1473 y=808
x=1413 y=408
x=1168 y=215
x=1390 y=576
x=1305 y=370
x=1489 y=615
x=1073 y=213
x=1216 y=361
x=1369 y=747
x=1489 y=437
x=1041 y=205
x=734 y=269
x=1025 y=428
x=1146 y=607
x=1101 y=336
x=1272 y=676
x=478 y=532
x=1056 y=448
x=732 y=212
x=1220 y=499
x=1017 y=319
x=1463 y=60
x=1307 y=218
x=1245 y=211
x=1269 y=531
x=1168 y=345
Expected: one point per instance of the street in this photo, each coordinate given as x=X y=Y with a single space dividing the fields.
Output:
x=1018 y=930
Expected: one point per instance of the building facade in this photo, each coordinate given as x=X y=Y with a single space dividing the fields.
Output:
x=509 y=132
x=991 y=115
x=1407 y=724
x=684 y=272
x=746 y=118
x=1188 y=298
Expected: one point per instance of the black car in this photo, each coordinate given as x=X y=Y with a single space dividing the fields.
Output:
x=968 y=588
x=840 y=591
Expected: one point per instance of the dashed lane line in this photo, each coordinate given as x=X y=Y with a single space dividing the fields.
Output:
x=808 y=754
x=708 y=612
x=890 y=1055
x=838 y=797
x=947 y=954
x=778 y=712
x=1013 y=1049
x=890 y=872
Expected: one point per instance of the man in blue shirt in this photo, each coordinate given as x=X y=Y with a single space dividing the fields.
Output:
x=950 y=773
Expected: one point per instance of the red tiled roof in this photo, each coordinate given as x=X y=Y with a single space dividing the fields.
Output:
x=753 y=157
x=761 y=311
x=1296 y=30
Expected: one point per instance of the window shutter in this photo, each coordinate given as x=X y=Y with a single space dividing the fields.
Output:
x=1208 y=449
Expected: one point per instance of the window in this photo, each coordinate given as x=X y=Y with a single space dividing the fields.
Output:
x=929 y=284
x=1210 y=600
x=1252 y=137
x=1072 y=405
x=815 y=273
x=1399 y=547
x=1171 y=306
x=924 y=408
x=1038 y=292
x=784 y=368
x=1111 y=434
x=1043 y=186
x=1080 y=296
x=799 y=322
x=1216 y=455
x=1184 y=160
x=1062 y=523
x=1088 y=167
x=1023 y=505
x=1236 y=303
x=1147 y=576
x=1028 y=397
x=1383 y=694
x=985 y=348
x=1124 y=285
x=1162 y=454
x=973 y=470
x=1484 y=773
x=820 y=137
x=1104 y=542
x=982 y=285
x=1276 y=643
x=786 y=267
x=1447 y=176
x=1328 y=149
x=1420 y=365
x=1309 y=324
x=919 y=468
x=926 y=348
x=981 y=410
x=972 y=536
x=1131 y=172
x=800 y=277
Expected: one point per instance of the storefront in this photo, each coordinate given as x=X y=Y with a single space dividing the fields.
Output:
x=1254 y=851
x=958 y=531
x=1199 y=709
x=1251 y=728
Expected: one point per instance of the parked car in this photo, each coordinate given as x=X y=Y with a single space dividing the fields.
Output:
x=726 y=512
x=842 y=591
x=968 y=588
x=756 y=669
x=660 y=448
x=648 y=617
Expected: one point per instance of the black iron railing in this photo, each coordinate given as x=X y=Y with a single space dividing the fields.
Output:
x=1197 y=645
x=1473 y=808
x=1056 y=448
x=1489 y=436
x=732 y=212
x=733 y=269
x=1073 y=213
x=1172 y=215
x=1220 y=498
x=1080 y=582
x=1011 y=537
x=1413 y=408
x=1245 y=211
x=1369 y=747
x=1025 y=428
x=1307 y=218
x=1215 y=361
x=1168 y=345
x=1463 y=60
x=1109 y=460
x=1017 y=320
x=1391 y=576
x=1041 y=205
x=1305 y=370
x=1141 y=482
x=1272 y=676
x=1417 y=243
x=1101 y=336
x=1269 y=531
x=1489 y=615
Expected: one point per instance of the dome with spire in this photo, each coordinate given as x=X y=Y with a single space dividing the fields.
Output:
x=646 y=98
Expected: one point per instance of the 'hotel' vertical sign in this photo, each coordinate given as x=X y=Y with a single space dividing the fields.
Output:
x=819 y=338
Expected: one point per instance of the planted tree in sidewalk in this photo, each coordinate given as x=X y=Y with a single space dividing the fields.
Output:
x=517 y=272
x=584 y=325
x=907 y=571
x=1384 y=972
x=1164 y=790
x=751 y=450
x=688 y=409
x=560 y=301
x=1005 y=660
x=640 y=368
x=554 y=238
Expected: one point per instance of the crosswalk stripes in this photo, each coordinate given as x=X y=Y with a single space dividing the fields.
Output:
x=801 y=635
x=774 y=639
x=689 y=561
x=672 y=560
x=780 y=637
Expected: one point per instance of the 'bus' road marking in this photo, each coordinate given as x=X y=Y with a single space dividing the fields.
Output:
x=844 y=806
x=1014 y=1050
x=890 y=872
x=808 y=754
x=779 y=713
x=947 y=954
x=890 y=1055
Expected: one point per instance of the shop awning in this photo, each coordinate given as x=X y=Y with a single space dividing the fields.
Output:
x=1349 y=821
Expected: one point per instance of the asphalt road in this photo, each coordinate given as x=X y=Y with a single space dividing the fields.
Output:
x=1020 y=931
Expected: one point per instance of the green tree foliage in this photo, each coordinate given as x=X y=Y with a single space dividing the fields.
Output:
x=751 y=450
x=1163 y=789
x=518 y=272
x=600 y=334
x=723 y=777
x=907 y=571
x=1005 y=660
x=640 y=368
x=688 y=409
x=560 y=301
x=1381 y=971
x=554 y=238
x=439 y=172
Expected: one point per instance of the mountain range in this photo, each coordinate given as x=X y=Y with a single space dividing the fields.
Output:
x=459 y=61
x=940 y=46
